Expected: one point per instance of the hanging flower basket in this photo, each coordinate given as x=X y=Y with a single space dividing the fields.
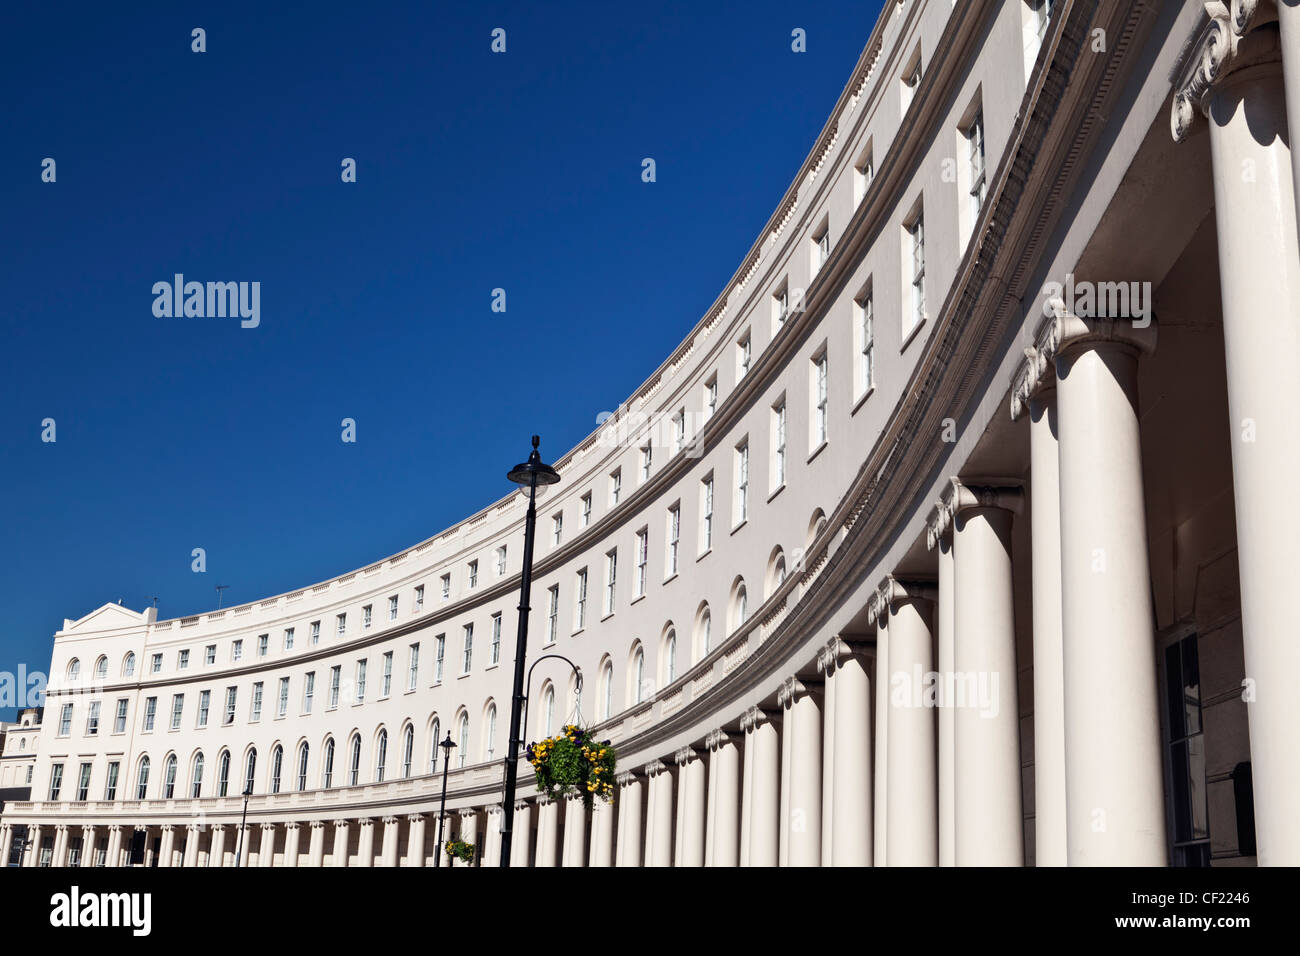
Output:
x=460 y=850
x=573 y=764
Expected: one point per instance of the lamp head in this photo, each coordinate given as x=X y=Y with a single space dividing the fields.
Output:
x=534 y=470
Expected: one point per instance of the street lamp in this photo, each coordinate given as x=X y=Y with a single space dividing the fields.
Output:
x=243 y=819
x=530 y=474
x=447 y=747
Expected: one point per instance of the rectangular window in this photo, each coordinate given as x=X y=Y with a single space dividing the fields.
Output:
x=65 y=721
x=315 y=633
x=580 y=611
x=911 y=81
x=308 y=691
x=178 y=708
x=744 y=355
x=359 y=686
x=388 y=673
x=916 y=234
x=780 y=308
x=413 y=666
x=615 y=485
x=150 y=711
x=367 y=616
x=110 y=789
x=467 y=660
x=439 y=656
x=336 y=678
x=742 y=483
x=255 y=711
x=821 y=404
x=557 y=529
x=496 y=638
x=341 y=625
x=446 y=587
x=679 y=431
x=674 y=538
x=552 y=613
x=419 y=597
x=975 y=144
x=586 y=509
x=119 y=718
x=210 y=654
x=283 y=708
x=501 y=560
x=706 y=514
x=710 y=397
x=647 y=453
x=1185 y=746
x=288 y=638
x=263 y=644
x=392 y=608
x=92 y=719
x=237 y=651
x=866 y=341
x=473 y=574
x=56 y=780
x=611 y=579
x=232 y=693
x=83 y=787
x=821 y=246
x=642 y=554
x=205 y=702
x=864 y=171
x=157 y=663
x=778 y=444
x=182 y=659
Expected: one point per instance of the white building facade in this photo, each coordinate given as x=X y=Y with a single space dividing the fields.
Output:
x=953 y=534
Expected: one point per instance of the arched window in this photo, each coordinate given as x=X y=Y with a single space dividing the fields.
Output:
x=408 y=750
x=638 y=675
x=128 y=665
x=277 y=764
x=250 y=768
x=739 y=605
x=303 y=754
x=354 y=772
x=169 y=777
x=327 y=770
x=670 y=657
x=196 y=778
x=816 y=525
x=775 y=572
x=705 y=629
x=464 y=739
x=74 y=669
x=142 y=779
x=548 y=711
x=491 y=730
x=223 y=773
x=101 y=668
x=607 y=691
x=381 y=756
x=433 y=745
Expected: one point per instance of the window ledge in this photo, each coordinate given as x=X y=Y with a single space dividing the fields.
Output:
x=817 y=451
x=704 y=554
x=673 y=577
x=862 y=399
x=776 y=491
x=637 y=600
x=606 y=617
x=907 y=339
x=739 y=526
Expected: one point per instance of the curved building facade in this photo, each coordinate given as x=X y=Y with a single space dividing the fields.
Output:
x=949 y=536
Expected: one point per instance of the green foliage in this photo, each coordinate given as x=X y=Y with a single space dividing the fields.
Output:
x=460 y=850
x=573 y=764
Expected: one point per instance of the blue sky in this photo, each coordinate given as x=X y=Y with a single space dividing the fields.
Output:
x=475 y=171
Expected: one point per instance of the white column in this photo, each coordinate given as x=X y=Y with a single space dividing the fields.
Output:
x=1246 y=85
x=802 y=772
x=388 y=845
x=826 y=671
x=32 y=855
x=990 y=821
x=575 y=833
x=468 y=832
x=1035 y=393
x=266 y=846
x=939 y=538
x=114 y=857
x=659 y=820
x=521 y=835
x=165 y=846
x=191 y=855
x=548 y=832
x=692 y=808
x=602 y=833
x=316 y=844
x=415 y=839
x=244 y=846
x=292 y=836
x=341 y=837
x=763 y=796
x=216 y=847
x=6 y=843
x=913 y=823
x=848 y=711
x=87 y=847
x=746 y=790
x=880 y=814
x=491 y=838
x=630 y=815
x=723 y=836
x=366 y=843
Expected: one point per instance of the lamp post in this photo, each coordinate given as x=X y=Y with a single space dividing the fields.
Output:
x=447 y=747
x=530 y=474
x=243 y=820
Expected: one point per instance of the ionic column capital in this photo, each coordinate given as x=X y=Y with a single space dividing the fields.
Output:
x=417 y=817
x=627 y=778
x=715 y=739
x=754 y=718
x=958 y=496
x=464 y=813
x=1064 y=330
x=523 y=805
x=938 y=527
x=1229 y=42
x=1036 y=375
x=655 y=767
x=342 y=823
x=794 y=689
x=685 y=755
x=166 y=827
x=292 y=825
x=389 y=821
x=317 y=824
x=216 y=828
x=892 y=590
x=267 y=826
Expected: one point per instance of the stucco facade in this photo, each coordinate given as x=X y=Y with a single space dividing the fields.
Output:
x=912 y=455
